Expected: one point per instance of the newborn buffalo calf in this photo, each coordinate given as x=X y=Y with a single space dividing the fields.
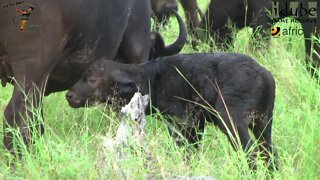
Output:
x=231 y=90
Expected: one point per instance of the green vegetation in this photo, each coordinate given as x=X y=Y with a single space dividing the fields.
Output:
x=70 y=146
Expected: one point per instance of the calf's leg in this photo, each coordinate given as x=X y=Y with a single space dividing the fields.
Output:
x=262 y=131
x=190 y=130
x=234 y=123
x=186 y=123
x=262 y=126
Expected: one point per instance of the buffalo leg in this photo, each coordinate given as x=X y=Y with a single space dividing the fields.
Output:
x=12 y=119
x=261 y=27
x=184 y=126
x=234 y=123
x=262 y=131
x=216 y=22
x=136 y=40
x=18 y=115
x=189 y=129
x=192 y=13
x=312 y=47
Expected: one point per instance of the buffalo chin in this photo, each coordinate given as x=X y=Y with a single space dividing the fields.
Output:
x=76 y=105
x=88 y=102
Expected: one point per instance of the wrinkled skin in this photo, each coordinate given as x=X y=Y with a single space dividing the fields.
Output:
x=220 y=12
x=234 y=80
x=66 y=37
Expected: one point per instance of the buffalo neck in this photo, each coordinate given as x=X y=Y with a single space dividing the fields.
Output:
x=145 y=75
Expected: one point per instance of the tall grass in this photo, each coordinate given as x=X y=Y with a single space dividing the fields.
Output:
x=70 y=146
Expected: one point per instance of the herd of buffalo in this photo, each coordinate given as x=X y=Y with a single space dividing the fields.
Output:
x=97 y=49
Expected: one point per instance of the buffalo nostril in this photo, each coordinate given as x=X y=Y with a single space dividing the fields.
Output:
x=175 y=8
x=69 y=95
x=170 y=7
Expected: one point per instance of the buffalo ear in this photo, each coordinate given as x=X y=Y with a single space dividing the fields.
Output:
x=157 y=45
x=126 y=87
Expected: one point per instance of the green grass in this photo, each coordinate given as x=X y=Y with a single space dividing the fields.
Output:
x=69 y=148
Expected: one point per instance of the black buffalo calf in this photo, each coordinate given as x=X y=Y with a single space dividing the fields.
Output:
x=189 y=88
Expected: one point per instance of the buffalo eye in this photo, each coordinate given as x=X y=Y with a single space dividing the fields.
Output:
x=92 y=81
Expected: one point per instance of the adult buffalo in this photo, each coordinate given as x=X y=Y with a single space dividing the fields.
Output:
x=49 y=44
x=256 y=14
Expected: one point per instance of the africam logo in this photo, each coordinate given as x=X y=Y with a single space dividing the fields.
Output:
x=277 y=31
x=22 y=11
